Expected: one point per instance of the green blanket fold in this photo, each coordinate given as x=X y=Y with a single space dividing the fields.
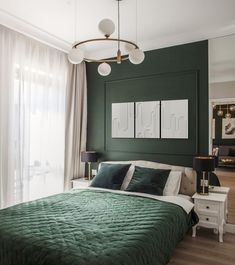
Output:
x=91 y=228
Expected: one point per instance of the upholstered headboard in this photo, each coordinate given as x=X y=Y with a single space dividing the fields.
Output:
x=188 y=182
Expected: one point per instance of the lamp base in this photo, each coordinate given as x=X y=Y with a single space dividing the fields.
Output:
x=204 y=189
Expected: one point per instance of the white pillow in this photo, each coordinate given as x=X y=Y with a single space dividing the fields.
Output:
x=172 y=186
x=128 y=177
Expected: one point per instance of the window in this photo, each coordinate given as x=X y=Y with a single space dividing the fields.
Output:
x=39 y=113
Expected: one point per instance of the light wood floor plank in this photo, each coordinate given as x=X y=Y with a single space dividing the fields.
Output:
x=227 y=179
x=205 y=250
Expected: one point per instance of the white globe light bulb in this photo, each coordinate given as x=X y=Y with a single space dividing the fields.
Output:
x=136 y=56
x=232 y=108
x=106 y=27
x=104 y=69
x=228 y=115
x=76 y=56
x=129 y=47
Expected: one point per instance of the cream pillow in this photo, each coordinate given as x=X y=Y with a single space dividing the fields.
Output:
x=128 y=177
x=172 y=186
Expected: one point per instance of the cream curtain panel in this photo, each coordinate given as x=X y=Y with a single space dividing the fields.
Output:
x=76 y=123
x=33 y=81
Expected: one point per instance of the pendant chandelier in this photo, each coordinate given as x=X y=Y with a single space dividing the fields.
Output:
x=229 y=110
x=228 y=115
x=107 y=28
x=220 y=113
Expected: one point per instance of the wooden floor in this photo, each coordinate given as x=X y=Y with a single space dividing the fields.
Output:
x=205 y=250
x=227 y=178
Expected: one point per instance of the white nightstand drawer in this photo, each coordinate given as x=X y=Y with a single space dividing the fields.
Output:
x=208 y=206
x=207 y=219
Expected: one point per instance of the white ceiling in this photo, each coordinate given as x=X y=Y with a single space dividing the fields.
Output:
x=161 y=23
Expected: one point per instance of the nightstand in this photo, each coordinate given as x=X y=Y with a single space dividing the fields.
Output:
x=212 y=212
x=223 y=190
x=80 y=183
x=217 y=189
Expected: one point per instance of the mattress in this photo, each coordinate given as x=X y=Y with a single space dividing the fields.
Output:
x=94 y=227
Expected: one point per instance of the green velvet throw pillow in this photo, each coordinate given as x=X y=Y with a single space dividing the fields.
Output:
x=148 y=180
x=110 y=176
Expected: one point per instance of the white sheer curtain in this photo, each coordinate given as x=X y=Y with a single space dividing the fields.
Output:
x=32 y=118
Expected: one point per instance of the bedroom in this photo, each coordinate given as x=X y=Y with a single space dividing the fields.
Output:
x=52 y=111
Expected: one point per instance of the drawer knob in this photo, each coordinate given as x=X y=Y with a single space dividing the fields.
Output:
x=207 y=207
x=207 y=219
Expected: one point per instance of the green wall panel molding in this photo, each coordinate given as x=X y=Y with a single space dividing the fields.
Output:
x=179 y=72
x=159 y=87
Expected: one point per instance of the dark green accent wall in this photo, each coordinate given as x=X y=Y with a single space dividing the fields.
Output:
x=179 y=72
x=218 y=126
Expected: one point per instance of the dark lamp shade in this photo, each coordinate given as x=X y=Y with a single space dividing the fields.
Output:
x=204 y=163
x=216 y=158
x=88 y=156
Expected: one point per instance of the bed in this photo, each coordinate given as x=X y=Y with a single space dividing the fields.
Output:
x=97 y=226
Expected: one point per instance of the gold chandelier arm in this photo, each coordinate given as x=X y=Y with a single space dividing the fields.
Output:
x=105 y=39
x=124 y=58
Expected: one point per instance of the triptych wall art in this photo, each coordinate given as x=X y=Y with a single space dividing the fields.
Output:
x=166 y=119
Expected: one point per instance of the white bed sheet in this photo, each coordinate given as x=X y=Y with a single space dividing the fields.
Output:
x=187 y=197
x=179 y=200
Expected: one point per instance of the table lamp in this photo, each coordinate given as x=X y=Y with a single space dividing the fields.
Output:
x=88 y=157
x=204 y=164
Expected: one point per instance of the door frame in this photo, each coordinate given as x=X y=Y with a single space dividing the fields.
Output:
x=211 y=102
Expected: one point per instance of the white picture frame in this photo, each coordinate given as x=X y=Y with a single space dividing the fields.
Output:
x=147 y=119
x=174 y=119
x=228 y=128
x=123 y=120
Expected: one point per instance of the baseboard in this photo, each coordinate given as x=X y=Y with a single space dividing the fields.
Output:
x=230 y=228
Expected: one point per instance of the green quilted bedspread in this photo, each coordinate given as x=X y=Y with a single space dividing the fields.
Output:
x=91 y=228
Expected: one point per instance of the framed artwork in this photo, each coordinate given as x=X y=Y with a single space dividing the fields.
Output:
x=228 y=128
x=123 y=120
x=147 y=119
x=174 y=119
